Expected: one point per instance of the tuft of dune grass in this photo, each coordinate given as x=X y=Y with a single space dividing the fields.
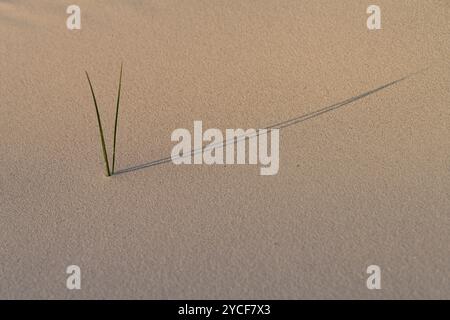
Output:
x=100 y=127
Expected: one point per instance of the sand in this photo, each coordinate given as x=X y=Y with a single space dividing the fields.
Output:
x=366 y=184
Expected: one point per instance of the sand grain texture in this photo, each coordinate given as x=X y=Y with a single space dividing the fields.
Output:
x=366 y=184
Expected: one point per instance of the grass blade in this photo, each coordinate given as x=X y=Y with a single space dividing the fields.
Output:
x=117 y=117
x=102 y=138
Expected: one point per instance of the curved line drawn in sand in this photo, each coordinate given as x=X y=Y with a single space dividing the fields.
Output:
x=279 y=125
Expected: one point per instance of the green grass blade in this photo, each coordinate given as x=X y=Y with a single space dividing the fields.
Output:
x=105 y=155
x=117 y=117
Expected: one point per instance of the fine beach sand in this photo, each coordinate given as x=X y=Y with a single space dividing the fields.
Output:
x=366 y=184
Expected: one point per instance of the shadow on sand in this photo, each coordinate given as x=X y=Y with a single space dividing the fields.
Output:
x=279 y=125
